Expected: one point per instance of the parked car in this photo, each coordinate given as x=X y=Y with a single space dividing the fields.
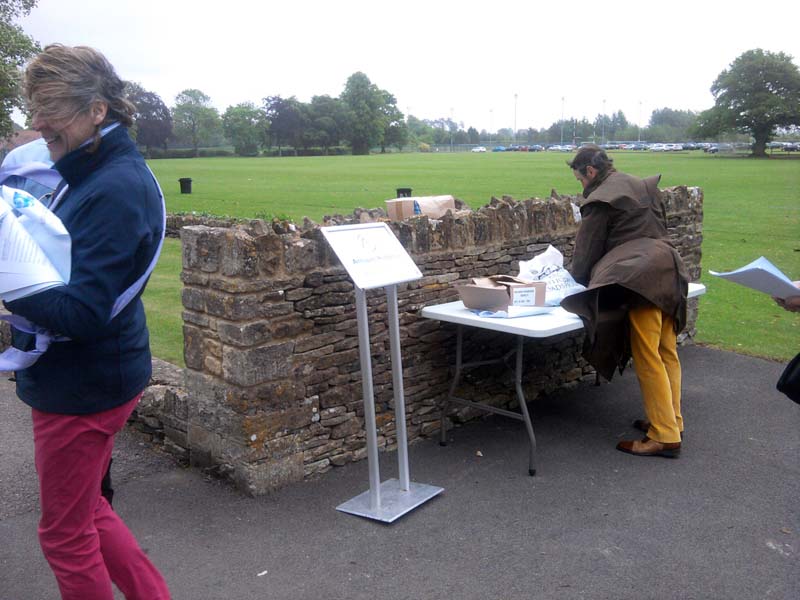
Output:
x=499 y=149
x=536 y=148
x=657 y=148
x=478 y=149
x=720 y=148
x=791 y=147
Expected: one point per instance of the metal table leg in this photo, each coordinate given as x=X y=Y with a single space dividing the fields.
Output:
x=456 y=378
x=524 y=408
x=523 y=415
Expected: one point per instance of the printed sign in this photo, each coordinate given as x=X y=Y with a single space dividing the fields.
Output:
x=371 y=254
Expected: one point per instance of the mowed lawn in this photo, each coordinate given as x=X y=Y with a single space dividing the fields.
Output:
x=752 y=208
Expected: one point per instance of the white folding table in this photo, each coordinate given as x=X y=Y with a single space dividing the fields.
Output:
x=537 y=326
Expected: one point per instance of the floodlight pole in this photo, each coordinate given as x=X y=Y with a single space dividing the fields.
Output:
x=604 y=122
x=515 y=118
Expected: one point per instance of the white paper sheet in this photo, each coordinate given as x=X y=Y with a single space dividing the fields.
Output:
x=763 y=276
x=35 y=248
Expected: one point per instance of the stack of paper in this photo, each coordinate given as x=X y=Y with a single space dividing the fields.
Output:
x=763 y=276
x=35 y=247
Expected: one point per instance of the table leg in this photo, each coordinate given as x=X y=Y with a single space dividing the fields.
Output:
x=451 y=391
x=524 y=408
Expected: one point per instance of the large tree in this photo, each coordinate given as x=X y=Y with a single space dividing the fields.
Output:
x=245 y=125
x=329 y=120
x=195 y=120
x=15 y=49
x=152 y=122
x=288 y=121
x=365 y=101
x=395 y=131
x=758 y=93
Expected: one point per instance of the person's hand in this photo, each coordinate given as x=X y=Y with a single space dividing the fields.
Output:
x=792 y=303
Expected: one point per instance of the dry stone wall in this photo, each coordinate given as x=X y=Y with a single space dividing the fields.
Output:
x=272 y=382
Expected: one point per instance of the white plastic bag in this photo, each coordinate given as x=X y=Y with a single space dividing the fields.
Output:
x=548 y=266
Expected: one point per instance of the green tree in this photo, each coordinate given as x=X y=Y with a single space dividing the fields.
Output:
x=152 y=123
x=365 y=102
x=328 y=121
x=288 y=121
x=419 y=131
x=757 y=94
x=195 y=120
x=395 y=131
x=245 y=125
x=15 y=49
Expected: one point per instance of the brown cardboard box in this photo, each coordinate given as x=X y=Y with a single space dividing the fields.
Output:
x=434 y=207
x=501 y=291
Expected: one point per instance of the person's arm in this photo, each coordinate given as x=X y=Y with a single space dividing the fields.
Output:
x=590 y=242
x=792 y=303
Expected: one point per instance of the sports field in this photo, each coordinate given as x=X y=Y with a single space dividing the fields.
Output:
x=752 y=208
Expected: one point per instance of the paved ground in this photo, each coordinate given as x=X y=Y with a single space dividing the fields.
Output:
x=722 y=522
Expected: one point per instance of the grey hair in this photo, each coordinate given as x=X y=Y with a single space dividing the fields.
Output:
x=62 y=82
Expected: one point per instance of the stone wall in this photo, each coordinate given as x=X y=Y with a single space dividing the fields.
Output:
x=273 y=384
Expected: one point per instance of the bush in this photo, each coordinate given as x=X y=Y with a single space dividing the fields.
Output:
x=212 y=152
x=289 y=151
x=423 y=147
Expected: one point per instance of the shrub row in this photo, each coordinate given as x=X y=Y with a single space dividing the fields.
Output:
x=186 y=152
x=332 y=151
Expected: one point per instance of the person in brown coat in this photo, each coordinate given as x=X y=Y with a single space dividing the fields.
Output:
x=635 y=300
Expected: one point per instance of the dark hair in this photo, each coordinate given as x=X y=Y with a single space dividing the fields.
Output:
x=591 y=155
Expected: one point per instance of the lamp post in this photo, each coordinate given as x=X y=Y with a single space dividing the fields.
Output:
x=604 y=122
x=640 y=121
x=562 y=120
x=491 y=110
x=451 y=128
x=515 y=118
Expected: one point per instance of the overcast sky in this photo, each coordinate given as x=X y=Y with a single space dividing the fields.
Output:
x=482 y=63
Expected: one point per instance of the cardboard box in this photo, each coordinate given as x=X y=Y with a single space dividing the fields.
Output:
x=434 y=207
x=501 y=291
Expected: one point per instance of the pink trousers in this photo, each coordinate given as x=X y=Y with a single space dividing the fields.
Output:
x=86 y=543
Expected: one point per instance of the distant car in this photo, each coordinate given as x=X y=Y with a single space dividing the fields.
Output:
x=499 y=149
x=791 y=147
x=479 y=149
x=720 y=148
x=657 y=148
x=536 y=148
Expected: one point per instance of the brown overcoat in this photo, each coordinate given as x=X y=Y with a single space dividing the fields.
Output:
x=624 y=257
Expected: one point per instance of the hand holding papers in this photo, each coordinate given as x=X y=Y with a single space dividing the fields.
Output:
x=763 y=276
x=35 y=247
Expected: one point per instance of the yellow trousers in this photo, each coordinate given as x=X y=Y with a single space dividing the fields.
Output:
x=655 y=360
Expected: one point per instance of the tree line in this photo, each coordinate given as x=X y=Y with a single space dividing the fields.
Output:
x=758 y=96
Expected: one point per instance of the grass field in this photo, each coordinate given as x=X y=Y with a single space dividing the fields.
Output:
x=752 y=208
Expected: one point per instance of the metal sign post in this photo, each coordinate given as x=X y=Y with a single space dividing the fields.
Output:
x=374 y=258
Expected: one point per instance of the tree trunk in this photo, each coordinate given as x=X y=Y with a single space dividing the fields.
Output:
x=760 y=143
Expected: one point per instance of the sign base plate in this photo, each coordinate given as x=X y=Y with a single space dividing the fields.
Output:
x=395 y=502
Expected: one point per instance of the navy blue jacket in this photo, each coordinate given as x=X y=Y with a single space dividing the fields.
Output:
x=112 y=211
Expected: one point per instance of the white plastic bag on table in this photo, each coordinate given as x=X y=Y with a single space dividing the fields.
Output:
x=548 y=266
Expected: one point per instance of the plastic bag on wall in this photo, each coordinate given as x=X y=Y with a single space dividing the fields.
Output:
x=548 y=266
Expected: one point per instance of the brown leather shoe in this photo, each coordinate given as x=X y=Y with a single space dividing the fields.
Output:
x=643 y=425
x=648 y=447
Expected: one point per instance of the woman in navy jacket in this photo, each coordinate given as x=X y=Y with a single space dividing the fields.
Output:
x=83 y=388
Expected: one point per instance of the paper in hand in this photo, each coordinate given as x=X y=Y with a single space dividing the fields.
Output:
x=763 y=276
x=35 y=247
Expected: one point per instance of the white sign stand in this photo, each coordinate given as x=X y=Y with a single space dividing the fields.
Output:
x=373 y=257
